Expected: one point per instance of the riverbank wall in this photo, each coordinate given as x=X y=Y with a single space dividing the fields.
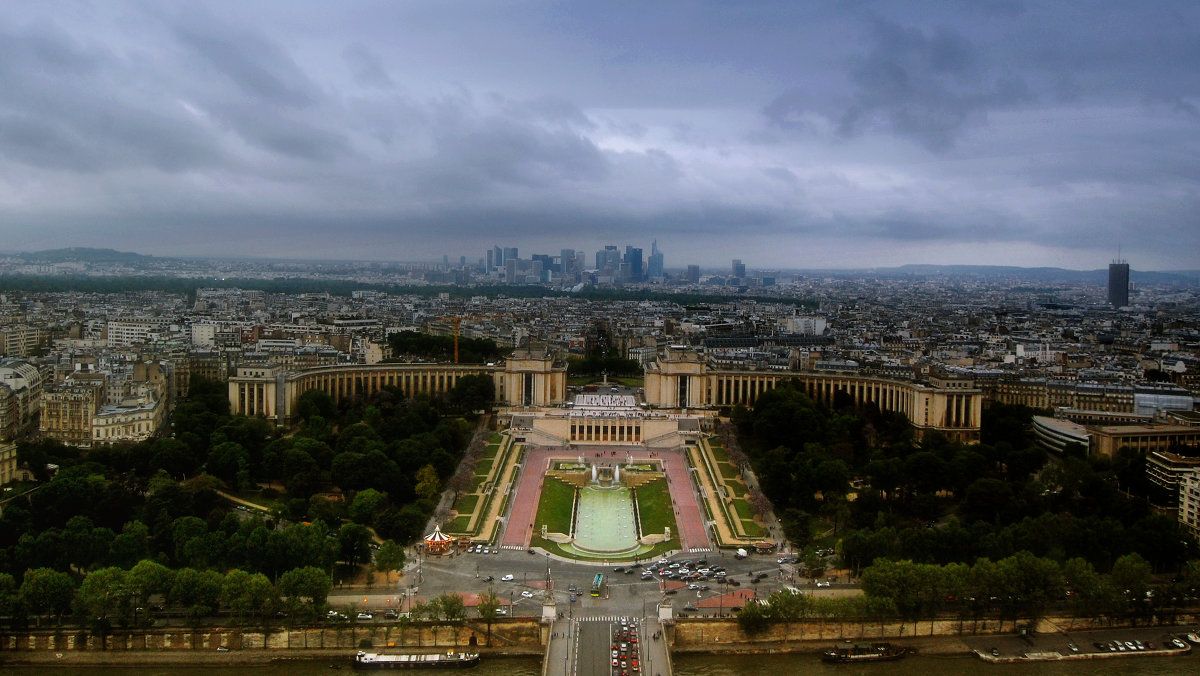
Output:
x=509 y=636
x=700 y=635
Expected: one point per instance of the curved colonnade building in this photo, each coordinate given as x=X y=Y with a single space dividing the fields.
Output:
x=271 y=392
x=684 y=379
x=678 y=380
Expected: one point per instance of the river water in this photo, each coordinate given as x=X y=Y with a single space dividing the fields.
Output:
x=708 y=665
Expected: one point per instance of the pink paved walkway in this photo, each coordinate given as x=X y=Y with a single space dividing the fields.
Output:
x=689 y=516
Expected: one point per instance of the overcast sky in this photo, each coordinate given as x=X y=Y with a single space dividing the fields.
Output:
x=788 y=134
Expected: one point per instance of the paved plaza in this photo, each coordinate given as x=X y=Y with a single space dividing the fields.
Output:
x=689 y=516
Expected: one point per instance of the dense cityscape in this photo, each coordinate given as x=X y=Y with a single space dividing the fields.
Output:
x=940 y=397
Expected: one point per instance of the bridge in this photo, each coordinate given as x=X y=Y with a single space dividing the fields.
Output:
x=582 y=645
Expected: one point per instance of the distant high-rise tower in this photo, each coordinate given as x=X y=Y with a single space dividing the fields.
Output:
x=633 y=256
x=655 y=267
x=739 y=268
x=1118 y=283
x=693 y=273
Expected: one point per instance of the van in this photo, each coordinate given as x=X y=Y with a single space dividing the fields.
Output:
x=741 y=553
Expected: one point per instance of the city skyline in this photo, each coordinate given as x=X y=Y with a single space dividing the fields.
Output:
x=789 y=135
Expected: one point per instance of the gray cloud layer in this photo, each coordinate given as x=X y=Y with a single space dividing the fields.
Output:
x=787 y=134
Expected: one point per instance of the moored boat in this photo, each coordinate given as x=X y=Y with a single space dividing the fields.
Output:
x=864 y=652
x=449 y=660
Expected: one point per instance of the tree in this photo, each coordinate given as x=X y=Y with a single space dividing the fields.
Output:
x=353 y=539
x=473 y=393
x=146 y=579
x=489 y=609
x=428 y=485
x=452 y=609
x=752 y=618
x=366 y=504
x=305 y=590
x=390 y=557
x=249 y=595
x=197 y=591
x=102 y=597
x=47 y=591
x=1132 y=575
x=315 y=402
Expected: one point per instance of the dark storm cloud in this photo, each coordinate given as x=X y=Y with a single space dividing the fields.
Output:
x=855 y=132
x=925 y=85
x=262 y=71
x=62 y=107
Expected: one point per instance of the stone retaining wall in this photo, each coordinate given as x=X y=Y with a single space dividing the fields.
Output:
x=518 y=633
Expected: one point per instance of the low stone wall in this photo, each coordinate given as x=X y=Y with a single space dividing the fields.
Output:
x=519 y=634
x=696 y=633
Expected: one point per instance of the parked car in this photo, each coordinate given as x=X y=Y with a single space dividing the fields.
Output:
x=507 y=578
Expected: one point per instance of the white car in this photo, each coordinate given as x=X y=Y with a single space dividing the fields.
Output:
x=526 y=594
x=507 y=578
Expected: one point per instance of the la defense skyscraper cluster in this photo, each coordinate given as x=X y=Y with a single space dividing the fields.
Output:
x=1118 y=283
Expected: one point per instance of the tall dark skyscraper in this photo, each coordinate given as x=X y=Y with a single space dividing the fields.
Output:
x=1118 y=283
x=633 y=256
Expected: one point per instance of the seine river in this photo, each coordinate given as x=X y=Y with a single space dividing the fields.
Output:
x=759 y=665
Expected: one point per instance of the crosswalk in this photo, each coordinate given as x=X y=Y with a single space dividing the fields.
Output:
x=605 y=618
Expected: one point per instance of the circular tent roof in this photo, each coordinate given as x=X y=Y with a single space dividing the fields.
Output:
x=437 y=536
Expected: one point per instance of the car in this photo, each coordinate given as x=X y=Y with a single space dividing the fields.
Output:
x=693 y=586
x=574 y=598
x=502 y=611
x=526 y=594
x=618 y=569
x=1072 y=647
x=488 y=578
x=530 y=551
x=1178 y=644
x=690 y=607
x=222 y=649
x=507 y=578
x=365 y=616
x=391 y=615
x=669 y=592
x=495 y=550
x=819 y=584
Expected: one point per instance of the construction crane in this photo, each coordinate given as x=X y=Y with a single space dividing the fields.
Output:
x=458 y=320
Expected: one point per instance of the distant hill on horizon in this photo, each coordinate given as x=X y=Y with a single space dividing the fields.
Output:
x=84 y=254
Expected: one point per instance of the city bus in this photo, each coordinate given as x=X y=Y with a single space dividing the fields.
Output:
x=598 y=584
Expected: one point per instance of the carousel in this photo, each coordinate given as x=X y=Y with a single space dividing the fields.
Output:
x=438 y=542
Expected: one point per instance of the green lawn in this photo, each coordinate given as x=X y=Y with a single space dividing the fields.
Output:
x=466 y=503
x=484 y=466
x=457 y=525
x=495 y=438
x=752 y=529
x=490 y=451
x=718 y=452
x=554 y=508
x=744 y=511
x=737 y=488
x=654 y=506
